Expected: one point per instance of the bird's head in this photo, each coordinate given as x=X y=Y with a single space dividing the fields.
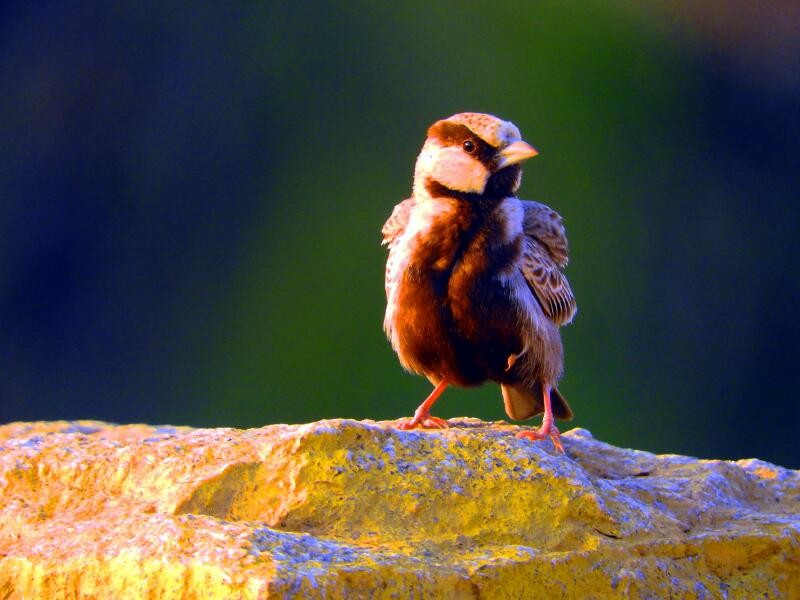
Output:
x=473 y=153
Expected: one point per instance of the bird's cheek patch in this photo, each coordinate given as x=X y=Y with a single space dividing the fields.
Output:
x=457 y=170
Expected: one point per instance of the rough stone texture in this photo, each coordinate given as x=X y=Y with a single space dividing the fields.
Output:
x=347 y=509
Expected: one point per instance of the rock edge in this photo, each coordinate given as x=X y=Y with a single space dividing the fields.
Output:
x=347 y=509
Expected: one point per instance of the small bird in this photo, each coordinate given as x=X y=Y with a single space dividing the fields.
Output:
x=474 y=285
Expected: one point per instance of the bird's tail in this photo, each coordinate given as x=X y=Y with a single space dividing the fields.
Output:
x=523 y=403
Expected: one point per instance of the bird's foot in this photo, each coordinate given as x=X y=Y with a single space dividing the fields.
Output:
x=422 y=419
x=543 y=433
x=422 y=416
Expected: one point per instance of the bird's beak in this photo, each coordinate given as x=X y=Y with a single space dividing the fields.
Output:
x=515 y=153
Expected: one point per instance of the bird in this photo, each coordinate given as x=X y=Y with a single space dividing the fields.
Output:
x=475 y=289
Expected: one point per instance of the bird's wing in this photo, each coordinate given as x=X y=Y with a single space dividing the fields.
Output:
x=544 y=251
x=544 y=224
x=396 y=224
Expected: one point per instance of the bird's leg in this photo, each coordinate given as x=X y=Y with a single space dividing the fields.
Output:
x=548 y=428
x=422 y=416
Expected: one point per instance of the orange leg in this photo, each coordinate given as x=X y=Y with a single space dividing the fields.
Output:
x=548 y=428
x=422 y=416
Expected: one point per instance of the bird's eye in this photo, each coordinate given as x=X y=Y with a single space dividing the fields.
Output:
x=469 y=146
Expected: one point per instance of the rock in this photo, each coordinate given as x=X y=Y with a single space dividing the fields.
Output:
x=348 y=509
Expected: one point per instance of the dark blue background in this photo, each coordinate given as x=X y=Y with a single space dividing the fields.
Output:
x=191 y=199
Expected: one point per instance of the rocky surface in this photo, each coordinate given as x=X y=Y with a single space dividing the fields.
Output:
x=347 y=509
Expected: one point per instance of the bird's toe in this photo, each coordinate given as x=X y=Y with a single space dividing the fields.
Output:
x=537 y=434
x=406 y=424
x=427 y=422
x=435 y=423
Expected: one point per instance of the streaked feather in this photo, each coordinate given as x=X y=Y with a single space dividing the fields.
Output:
x=396 y=224
x=544 y=224
x=544 y=251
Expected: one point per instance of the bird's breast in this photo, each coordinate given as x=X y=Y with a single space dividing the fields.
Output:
x=452 y=315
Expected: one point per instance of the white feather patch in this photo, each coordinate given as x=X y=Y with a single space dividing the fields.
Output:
x=451 y=167
x=513 y=219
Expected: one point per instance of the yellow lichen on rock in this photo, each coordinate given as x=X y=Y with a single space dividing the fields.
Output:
x=344 y=509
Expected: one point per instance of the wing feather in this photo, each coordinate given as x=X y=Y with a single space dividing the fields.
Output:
x=545 y=224
x=396 y=223
x=544 y=252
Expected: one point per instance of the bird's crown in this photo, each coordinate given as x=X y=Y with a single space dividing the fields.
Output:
x=492 y=130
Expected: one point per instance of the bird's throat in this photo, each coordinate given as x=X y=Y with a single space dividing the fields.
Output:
x=501 y=184
x=471 y=203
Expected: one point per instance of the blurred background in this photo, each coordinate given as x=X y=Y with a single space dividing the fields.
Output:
x=191 y=199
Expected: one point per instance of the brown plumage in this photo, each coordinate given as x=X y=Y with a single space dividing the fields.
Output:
x=474 y=285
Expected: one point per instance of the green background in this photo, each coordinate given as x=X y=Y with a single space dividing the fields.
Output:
x=192 y=196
